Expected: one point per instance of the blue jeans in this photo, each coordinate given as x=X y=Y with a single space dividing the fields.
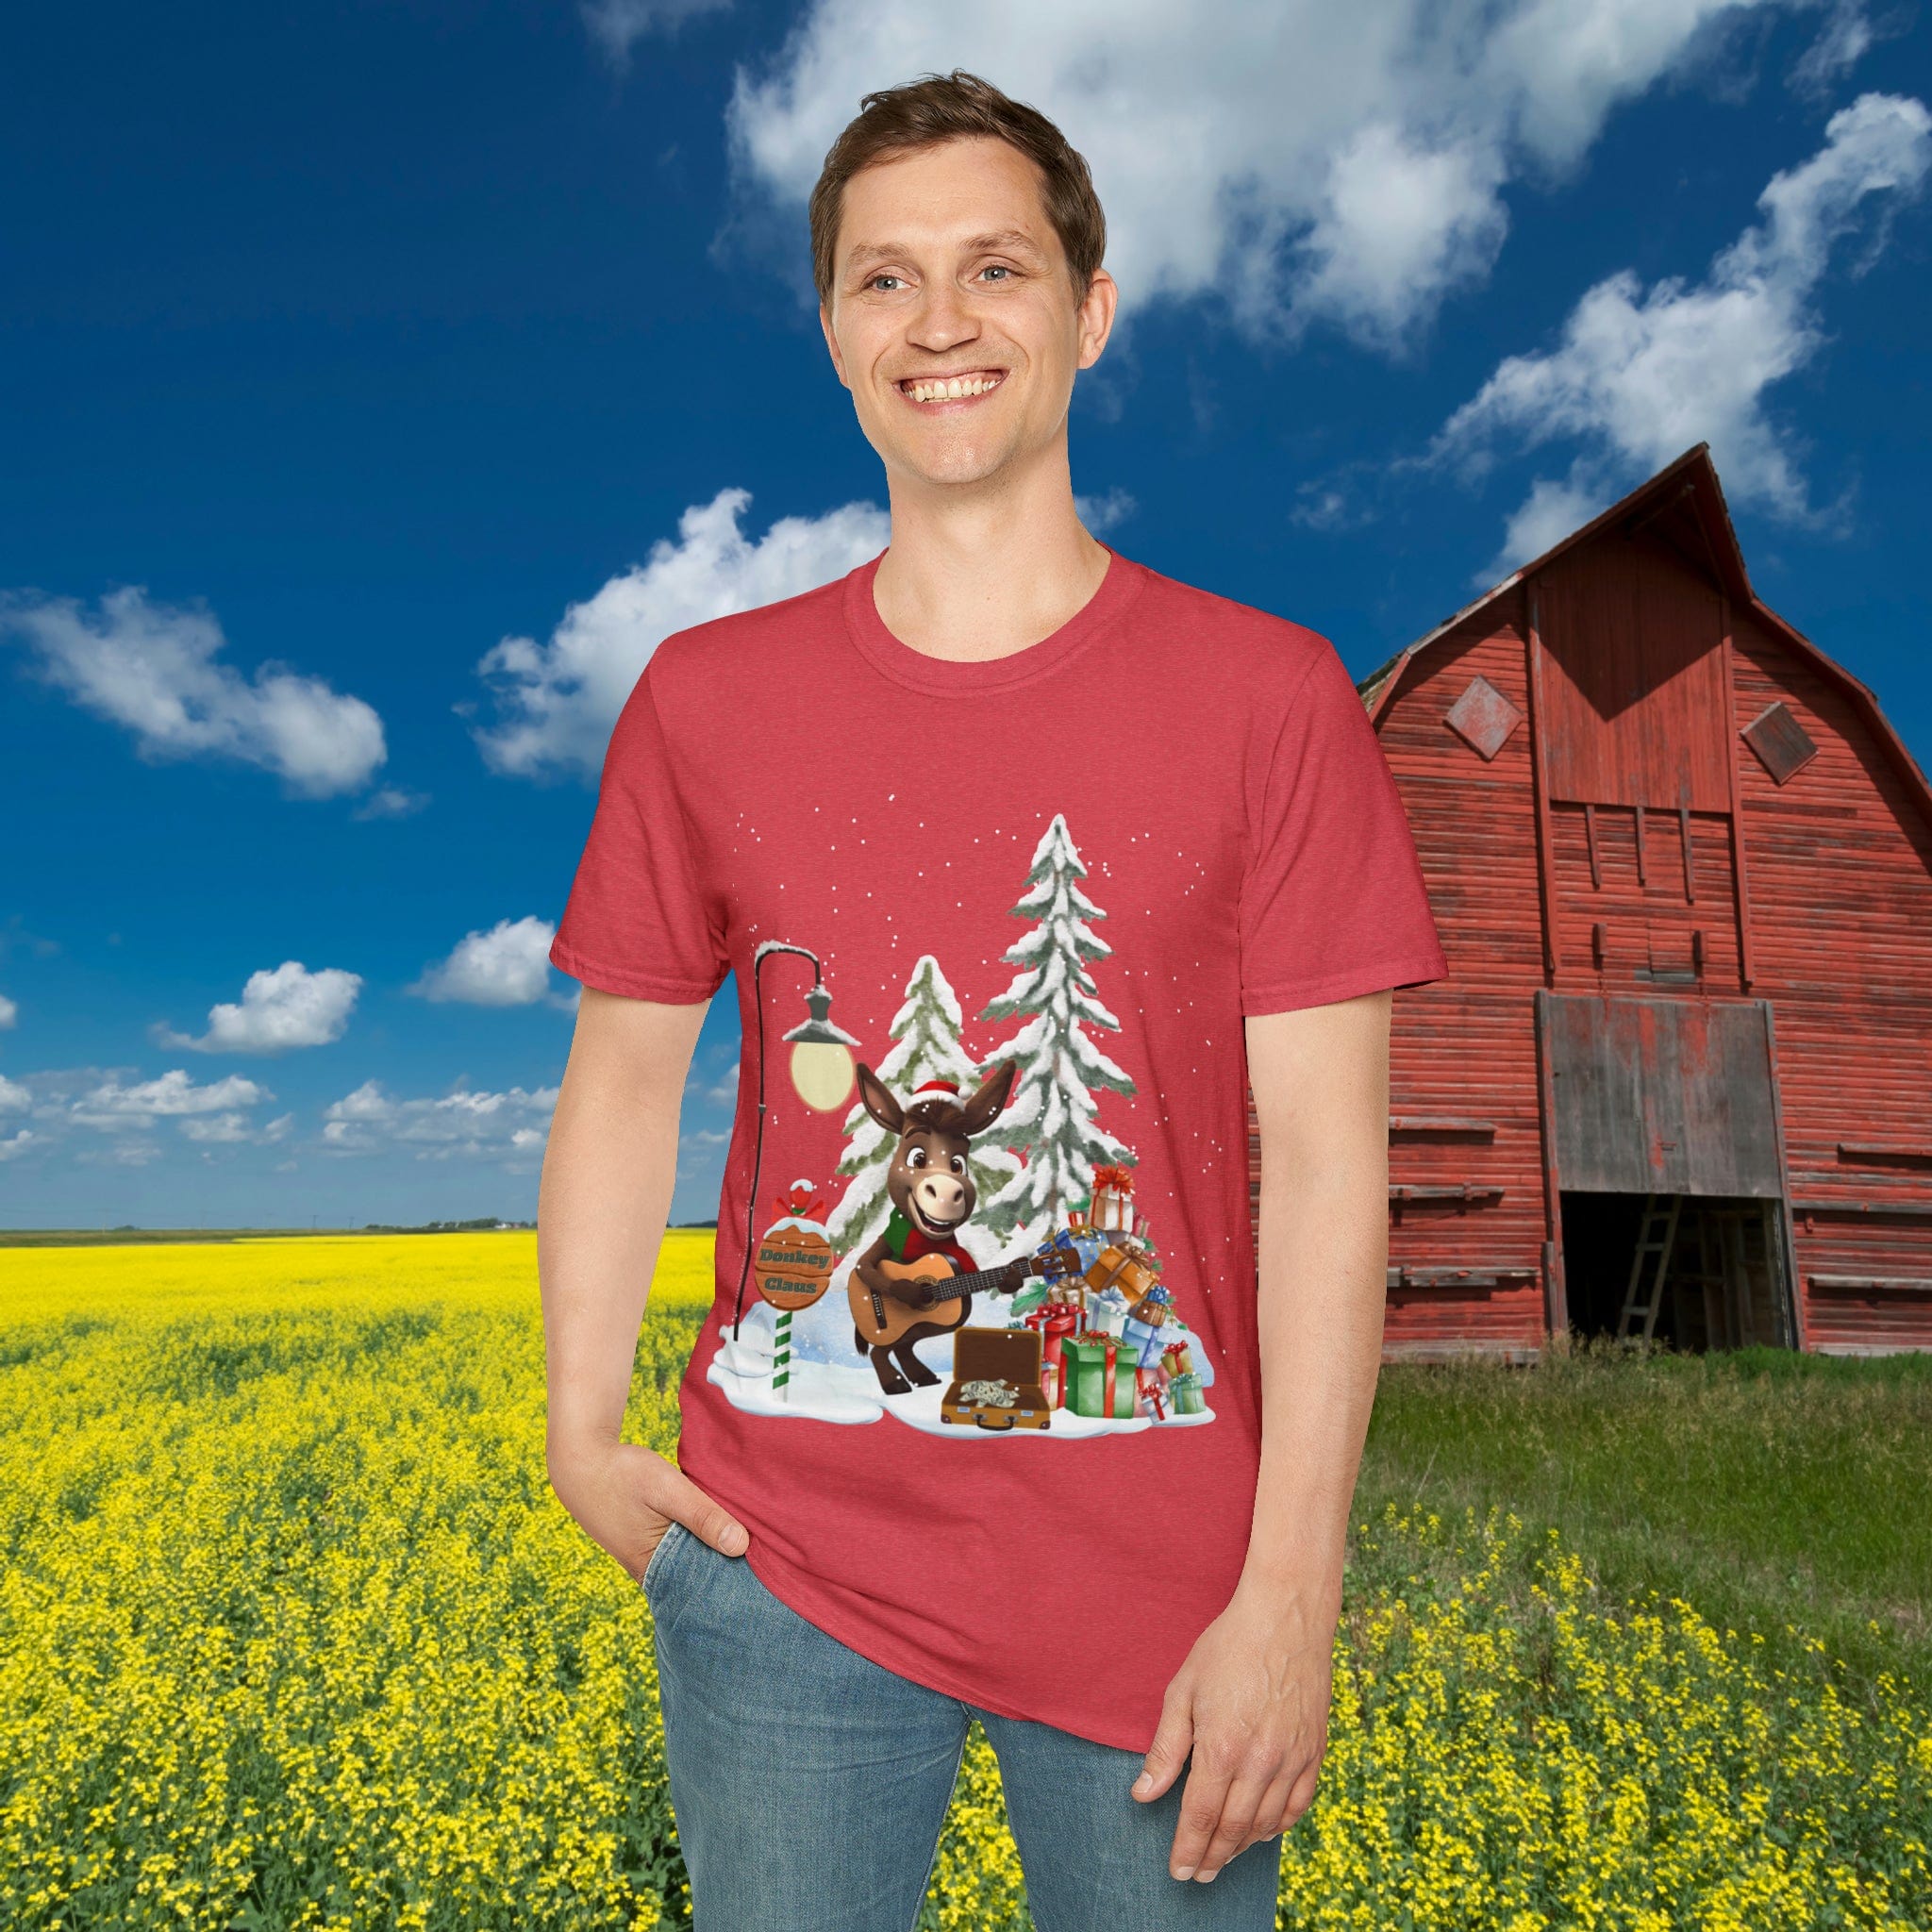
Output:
x=810 y=1785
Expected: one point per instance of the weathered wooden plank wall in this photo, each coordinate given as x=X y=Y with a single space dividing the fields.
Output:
x=1841 y=865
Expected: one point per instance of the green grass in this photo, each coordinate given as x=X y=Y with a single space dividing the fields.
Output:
x=1779 y=1494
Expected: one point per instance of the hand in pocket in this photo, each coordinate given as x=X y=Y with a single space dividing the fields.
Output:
x=625 y=1497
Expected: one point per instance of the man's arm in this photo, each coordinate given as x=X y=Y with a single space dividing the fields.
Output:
x=605 y=1196
x=1251 y=1702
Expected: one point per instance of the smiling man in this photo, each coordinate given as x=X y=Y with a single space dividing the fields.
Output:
x=1137 y=1597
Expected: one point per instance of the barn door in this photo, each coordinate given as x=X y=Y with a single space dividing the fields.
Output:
x=1662 y=1095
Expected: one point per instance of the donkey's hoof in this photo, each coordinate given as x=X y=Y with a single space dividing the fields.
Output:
x=893 y=1383
x=923 y=1378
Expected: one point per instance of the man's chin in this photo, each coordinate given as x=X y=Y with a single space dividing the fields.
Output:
x=963 y=467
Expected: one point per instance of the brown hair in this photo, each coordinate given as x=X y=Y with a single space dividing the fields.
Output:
x=940 y=107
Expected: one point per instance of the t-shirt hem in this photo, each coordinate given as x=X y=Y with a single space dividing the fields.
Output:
x=1291 y=995
x=787 y=1584
x=627 y=985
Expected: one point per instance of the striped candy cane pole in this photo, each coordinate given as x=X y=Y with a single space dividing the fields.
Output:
x=781 y=1366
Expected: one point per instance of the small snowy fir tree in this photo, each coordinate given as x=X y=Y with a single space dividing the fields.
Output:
x=927 y=1034
x=1051 y=1119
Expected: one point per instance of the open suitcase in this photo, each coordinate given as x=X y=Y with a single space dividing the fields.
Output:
x=997 y=1355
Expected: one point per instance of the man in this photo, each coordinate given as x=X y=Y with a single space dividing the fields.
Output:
x=1139 y=1609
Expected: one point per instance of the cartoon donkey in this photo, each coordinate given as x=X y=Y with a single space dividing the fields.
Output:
x=916 y=1279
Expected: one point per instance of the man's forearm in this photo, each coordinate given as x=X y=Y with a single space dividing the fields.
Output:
x=1322 y=1096
x=607 y=1181
x=1324 y=1259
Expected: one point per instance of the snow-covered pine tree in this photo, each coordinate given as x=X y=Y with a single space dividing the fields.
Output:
x=927 y=1032
x=1051 y=1119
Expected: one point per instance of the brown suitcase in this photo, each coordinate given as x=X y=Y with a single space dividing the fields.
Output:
x=1000 y=1354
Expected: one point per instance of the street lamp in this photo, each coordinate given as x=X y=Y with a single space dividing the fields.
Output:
x=822 y=1075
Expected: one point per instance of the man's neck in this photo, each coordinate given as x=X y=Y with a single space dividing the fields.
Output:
x=980 y=574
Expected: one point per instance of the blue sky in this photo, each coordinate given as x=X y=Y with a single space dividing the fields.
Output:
x=344 y=343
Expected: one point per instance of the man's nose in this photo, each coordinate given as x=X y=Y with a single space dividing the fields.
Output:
x=944 y=320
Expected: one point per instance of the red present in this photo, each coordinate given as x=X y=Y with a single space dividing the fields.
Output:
x=1150 y=1393
x=1055 y=1321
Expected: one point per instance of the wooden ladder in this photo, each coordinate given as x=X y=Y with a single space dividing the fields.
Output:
x=1657 y=1235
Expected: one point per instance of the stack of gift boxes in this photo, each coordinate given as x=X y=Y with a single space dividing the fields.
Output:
x=1107 y=1345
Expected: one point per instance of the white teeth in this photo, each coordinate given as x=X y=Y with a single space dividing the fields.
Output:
x=951 y=387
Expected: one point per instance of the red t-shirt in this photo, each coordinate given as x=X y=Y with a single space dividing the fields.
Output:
x=1092 y=857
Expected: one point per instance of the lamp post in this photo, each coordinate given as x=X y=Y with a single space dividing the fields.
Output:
x=822 y=1075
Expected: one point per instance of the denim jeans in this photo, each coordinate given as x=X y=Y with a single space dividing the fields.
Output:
x=810 y=1785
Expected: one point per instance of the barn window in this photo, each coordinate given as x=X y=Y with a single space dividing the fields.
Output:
x=1782 y=745
x=1483 y=717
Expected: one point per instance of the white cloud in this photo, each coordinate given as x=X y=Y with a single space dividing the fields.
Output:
x=1641 y=375
x=10 y=1012
x=236 y=1129
x=114 y=1108
x=14 y=1098
x=509 y=1127
x=507 y=966
x=18 y=1145
x=157 y=669
x=616 y=25
x=288 y=1006
x=1298 y=159
x=559 y=700
x=390 y=802
x=1103 y=513
x=1552 y=509
x=1848 y=36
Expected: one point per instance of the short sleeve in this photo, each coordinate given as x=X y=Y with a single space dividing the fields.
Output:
x=638 y=922
x=1333 y=902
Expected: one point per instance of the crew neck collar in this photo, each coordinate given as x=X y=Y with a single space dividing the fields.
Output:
x=907 y=666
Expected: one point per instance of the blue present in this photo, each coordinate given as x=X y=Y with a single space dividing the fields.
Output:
x=1145 y=1340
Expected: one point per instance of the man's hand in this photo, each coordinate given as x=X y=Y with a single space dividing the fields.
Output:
x=625 y=1497
x=1251 y=1705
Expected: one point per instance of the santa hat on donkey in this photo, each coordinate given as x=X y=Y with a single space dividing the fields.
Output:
x=931 y=1101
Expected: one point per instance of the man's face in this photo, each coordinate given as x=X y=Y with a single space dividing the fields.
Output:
x=952 y=318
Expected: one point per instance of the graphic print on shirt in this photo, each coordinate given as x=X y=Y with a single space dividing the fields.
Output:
x=996 y=1278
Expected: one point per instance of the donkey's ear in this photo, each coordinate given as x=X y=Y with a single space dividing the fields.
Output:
x=990 y=1098
x=878 y=1102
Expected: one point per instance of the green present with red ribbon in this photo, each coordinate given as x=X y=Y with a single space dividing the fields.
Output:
x=1184 y=1392
x=1097 y=1376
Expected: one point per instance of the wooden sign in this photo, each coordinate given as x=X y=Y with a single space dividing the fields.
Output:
x=793 y=1266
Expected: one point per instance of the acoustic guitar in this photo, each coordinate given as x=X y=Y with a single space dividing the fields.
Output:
x=882 y=1319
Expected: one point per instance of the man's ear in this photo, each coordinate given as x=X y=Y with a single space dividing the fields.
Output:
x=1096 y=316
x=832 y=343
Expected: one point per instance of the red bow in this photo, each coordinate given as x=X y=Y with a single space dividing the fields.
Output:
x=1118 y=1179
x=800 y=1200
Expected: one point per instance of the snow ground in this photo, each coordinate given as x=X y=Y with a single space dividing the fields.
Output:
x=826 y=1393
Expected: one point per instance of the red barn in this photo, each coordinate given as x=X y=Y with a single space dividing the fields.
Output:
x=1679 y=1078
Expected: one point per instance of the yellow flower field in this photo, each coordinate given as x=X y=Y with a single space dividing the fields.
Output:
x=294 y=1634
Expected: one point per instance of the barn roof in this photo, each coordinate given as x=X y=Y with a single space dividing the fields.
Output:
x=1685 y=498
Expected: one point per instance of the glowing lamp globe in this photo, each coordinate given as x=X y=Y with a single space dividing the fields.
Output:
x=822 y=1065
